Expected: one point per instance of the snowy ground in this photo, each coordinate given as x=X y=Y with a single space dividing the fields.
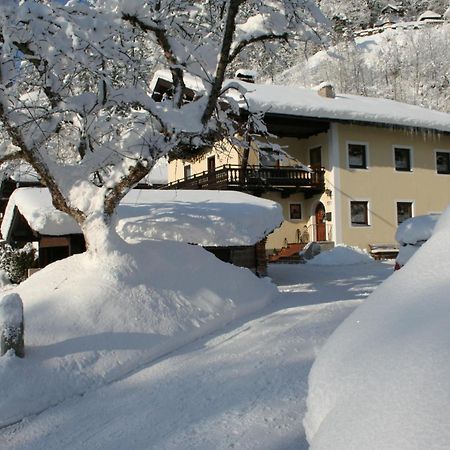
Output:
x=244 y=387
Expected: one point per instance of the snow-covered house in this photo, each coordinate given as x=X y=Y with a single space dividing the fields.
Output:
x=372 y=163
x=231 y=225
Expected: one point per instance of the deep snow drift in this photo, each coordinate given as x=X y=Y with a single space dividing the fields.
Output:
x=342 y=254
x=382 y=380
x=90 y=320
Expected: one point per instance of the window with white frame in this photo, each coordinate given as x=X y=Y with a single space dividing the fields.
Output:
x=357 y=156
x=404 y=211
x=402 y=157
x=359 y=212
x=443 y=162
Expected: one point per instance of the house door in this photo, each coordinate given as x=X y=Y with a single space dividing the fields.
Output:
x=315 y=158
x=320 y=223
x=211 y=161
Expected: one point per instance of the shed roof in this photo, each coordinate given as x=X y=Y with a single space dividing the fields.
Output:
x=208 y=218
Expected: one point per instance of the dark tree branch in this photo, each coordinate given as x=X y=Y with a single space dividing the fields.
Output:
x=40 y=64
x=224 y=59
x=115 y=194
x=262 y=38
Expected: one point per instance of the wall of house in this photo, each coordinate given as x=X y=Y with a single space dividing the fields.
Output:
x=382 y=186
x=290 y=230
x=224 y=154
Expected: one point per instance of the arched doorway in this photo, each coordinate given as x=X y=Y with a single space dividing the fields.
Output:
x=319 y=213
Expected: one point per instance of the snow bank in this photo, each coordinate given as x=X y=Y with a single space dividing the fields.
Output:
x=382 y=379
x=416 y=229
x=340 y=255
x=90 y=321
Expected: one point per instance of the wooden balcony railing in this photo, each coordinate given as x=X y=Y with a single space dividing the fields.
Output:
x=254 y=179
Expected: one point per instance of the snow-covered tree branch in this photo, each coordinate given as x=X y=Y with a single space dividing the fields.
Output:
x=74 y=88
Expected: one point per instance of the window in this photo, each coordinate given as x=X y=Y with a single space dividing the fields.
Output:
x=443 y=162
x=295 y=211
x=359 y=213
x=402 y=159
x=404 y=211
x=357 y=156
x=187 y=171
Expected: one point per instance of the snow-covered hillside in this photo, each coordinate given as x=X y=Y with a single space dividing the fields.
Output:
x=408 y=65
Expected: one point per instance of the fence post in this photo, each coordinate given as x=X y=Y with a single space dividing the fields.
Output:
x=12 y=325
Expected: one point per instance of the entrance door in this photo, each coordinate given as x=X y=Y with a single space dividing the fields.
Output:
x=320 y=223
x=315 y=158
x=211 y=161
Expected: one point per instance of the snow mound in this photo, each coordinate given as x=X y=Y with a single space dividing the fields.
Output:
x=381 y=380
x=340 y=255
x=91 y=320
x=416 y=229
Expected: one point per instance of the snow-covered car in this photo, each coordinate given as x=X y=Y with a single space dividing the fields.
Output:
x=412 y=234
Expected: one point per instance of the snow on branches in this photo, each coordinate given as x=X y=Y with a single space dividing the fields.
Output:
x=75 y=101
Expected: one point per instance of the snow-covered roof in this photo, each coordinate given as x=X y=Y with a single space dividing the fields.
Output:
x=208 y=218
x=429 y=15
x=303 y=102
x=35 y=205
x=190 y=81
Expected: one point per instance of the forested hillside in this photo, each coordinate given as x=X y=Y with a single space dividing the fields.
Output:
x=398 y=60
x=412 y=66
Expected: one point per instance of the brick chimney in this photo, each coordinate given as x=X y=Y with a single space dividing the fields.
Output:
x=326 y=89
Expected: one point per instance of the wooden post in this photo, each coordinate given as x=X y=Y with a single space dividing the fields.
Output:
x=12 y=325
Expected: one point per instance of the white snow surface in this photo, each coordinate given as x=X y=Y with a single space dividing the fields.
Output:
x=341 y=254
x=91 y=320
x=208 y=218
x=304 y=102
x=242 y=387
x=381 y=381
x=416 y=229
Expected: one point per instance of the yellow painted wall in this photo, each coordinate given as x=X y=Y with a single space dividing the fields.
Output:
x=383 y=186
x=299 y=149
x=224 y=153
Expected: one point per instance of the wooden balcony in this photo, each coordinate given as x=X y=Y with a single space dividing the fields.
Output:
x=255 y=179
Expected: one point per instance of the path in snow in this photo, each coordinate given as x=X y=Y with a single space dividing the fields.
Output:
x=242 y=388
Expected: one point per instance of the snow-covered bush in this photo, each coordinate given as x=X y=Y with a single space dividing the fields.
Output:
x=16 y=262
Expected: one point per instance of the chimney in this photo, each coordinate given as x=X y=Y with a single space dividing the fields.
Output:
x=326 y=89
x=249 y=76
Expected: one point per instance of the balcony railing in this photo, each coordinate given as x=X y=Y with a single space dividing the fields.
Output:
x=254 y=179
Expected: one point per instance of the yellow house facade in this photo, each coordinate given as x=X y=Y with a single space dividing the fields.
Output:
x=382 y=163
